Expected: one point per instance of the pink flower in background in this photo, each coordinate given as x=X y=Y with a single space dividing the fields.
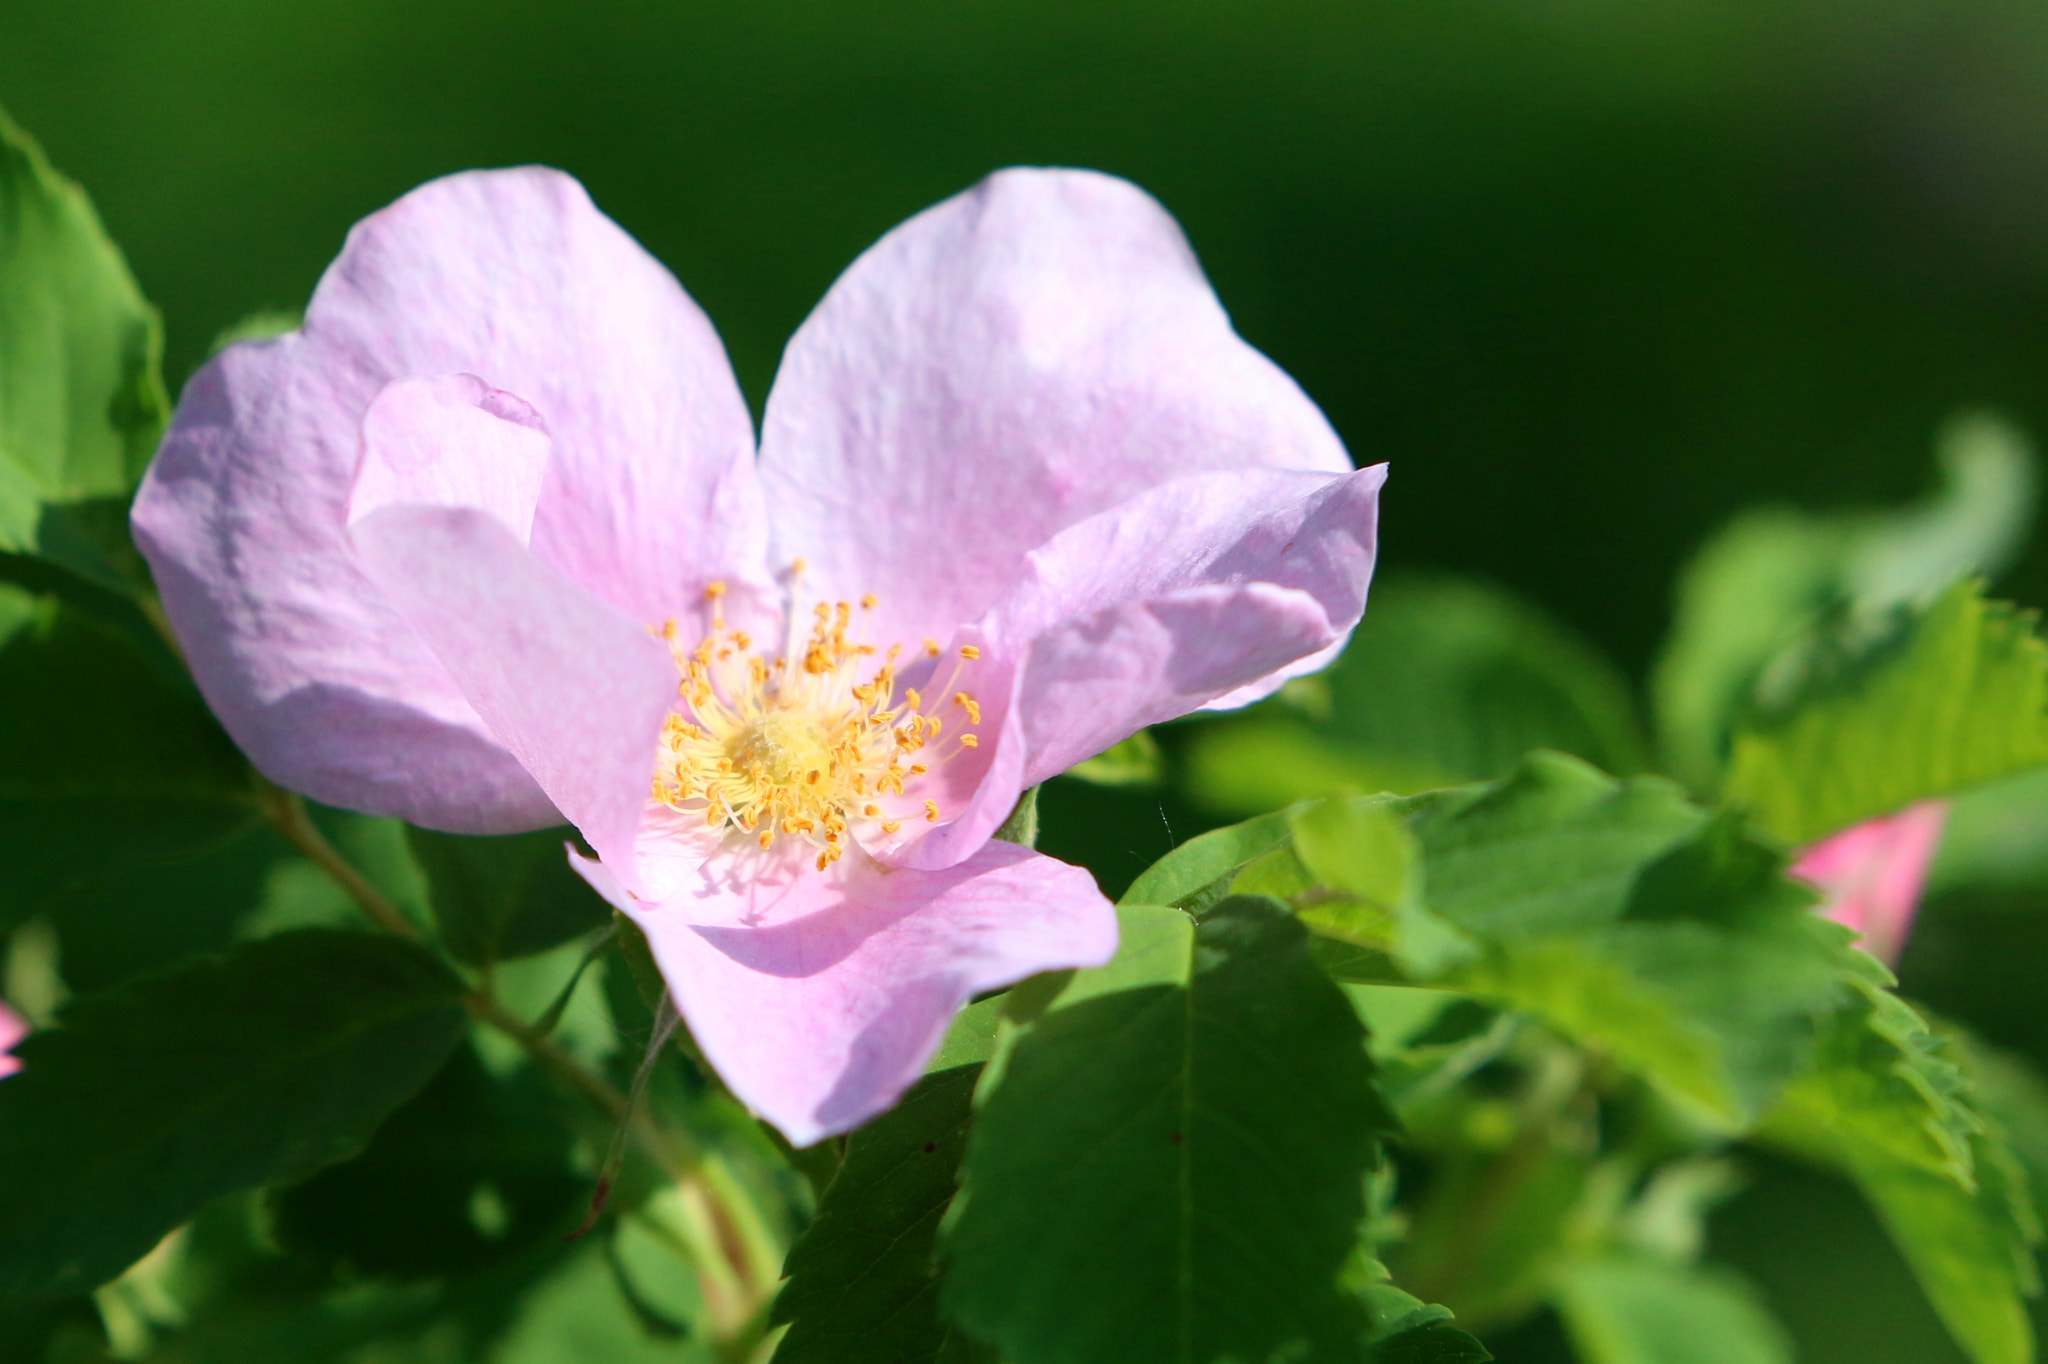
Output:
x=488 y=545
x=1870 y=876
x=12 y=1029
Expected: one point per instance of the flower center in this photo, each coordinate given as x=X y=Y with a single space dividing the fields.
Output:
x=815 y=743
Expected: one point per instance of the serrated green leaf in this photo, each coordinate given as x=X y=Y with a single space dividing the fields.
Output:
x=1174 y=1172
x=863 y=1282
x=1634 y=1309
x=1445 y=681
x=496 y=899
x=1961 y=699
x=104 y=762
x=150 y=1101
x=1887 y=1106
x=1611 y=911
x=82 y=399
x=1759 y=586
x=467 y=1173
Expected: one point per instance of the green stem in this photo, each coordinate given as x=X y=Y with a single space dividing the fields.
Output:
x=738 y=1264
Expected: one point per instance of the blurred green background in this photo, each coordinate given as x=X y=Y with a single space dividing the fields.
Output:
x=1591 y=275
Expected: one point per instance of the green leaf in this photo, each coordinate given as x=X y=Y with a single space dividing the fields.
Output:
x=1961 y=699
x=1406 y=1330
x=1611 y=911
x=1555 y=845
x=1199 y=872
x=1886 y=1106
x=1134 y=762
x=82 y=400
x=1995 y=838
x=104 y=761
x=1020 y=826
x=466 y=1173
x=1366 y=864
x=1174 y=1171
x=496 y=899
x=1635 y=1309
x=1760 y=586
x=148 y=1102
x=863 y=1283
x=1445 y=681
x=1437 y=1342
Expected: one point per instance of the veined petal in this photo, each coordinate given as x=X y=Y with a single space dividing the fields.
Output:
x=1024 y=355
x=511 y=276
x=452 y=441
x=1206 y=588
x=568 y=684
x=819 y=998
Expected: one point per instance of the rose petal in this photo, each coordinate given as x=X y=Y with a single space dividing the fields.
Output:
x=13 y=1027
x=1029 y=353
x=452 y=441
x=568 y=684
x=1206 y=587
x=820 y=999
x=1871 y=875
x=512 y=276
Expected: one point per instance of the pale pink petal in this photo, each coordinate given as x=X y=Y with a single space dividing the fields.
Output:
x=1204 y=588
x=510 y=276
x=13 y=1027
x=452 y=441
x=819 y=999
x=568 y=684
x=1871 y=876
x=1024 y=355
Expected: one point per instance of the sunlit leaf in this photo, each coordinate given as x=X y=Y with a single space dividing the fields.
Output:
x=1174 y=1171
x=1635 y=1309
x=1761 y=584
x=1887 y=1106
x=82 y=400
x=1960 y=699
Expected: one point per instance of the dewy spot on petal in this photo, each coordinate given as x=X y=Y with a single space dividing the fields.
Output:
x=811 y=744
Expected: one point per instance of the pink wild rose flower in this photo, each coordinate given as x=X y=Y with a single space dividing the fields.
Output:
x=489 y=545
x=13 y=1027
x=1870 y=876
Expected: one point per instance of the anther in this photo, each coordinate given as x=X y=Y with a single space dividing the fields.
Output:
x=931 y=812
x=969 y=652
x=969 y=741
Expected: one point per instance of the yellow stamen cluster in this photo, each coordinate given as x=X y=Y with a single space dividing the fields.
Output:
x=814 y=744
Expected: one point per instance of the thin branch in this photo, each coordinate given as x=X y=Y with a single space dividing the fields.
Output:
x=286 y=812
